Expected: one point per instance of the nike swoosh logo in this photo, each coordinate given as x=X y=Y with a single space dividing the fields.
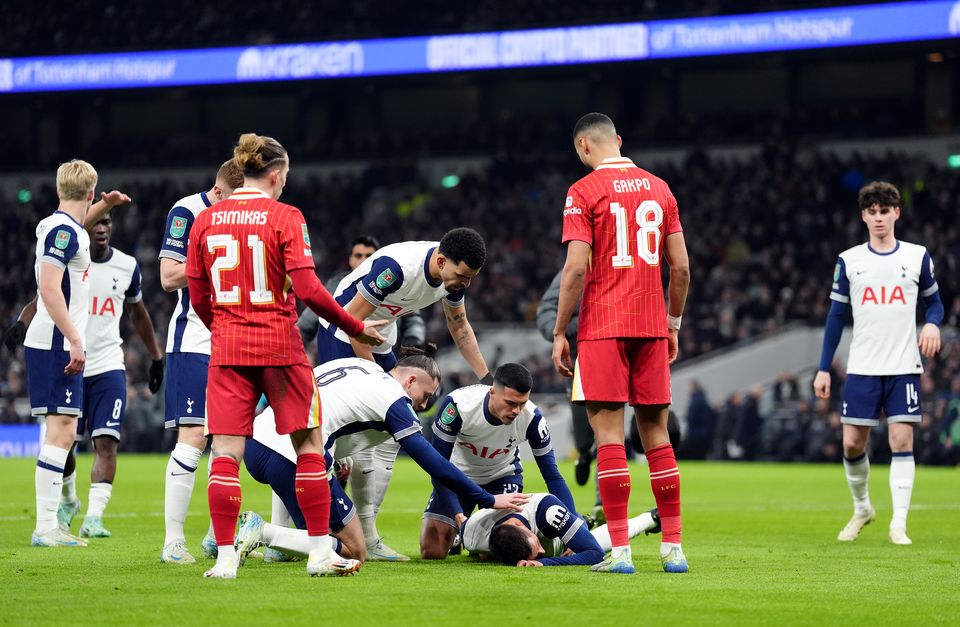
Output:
x=180 y=474
x=910 y=410
x=367 y=471
x=111 y=424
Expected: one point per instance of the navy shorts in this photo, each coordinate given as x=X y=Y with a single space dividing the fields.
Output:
x=330 y=347
x=185 y=398
x=865 y=397
x=270 y=467
x=104 y=404
x=52 y=391
x=437 y=510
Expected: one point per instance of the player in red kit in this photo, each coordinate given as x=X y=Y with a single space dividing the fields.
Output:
x=619 y=222
x=244 y=256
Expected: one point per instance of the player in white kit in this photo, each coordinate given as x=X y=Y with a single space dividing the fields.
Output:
x=393 y=282
x=53 y=345
x=188 y=356
x=479 y=428
x=880 y=282
x=363 y=406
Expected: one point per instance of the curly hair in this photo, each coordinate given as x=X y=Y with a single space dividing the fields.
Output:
x=879 y=193
x=466 y=245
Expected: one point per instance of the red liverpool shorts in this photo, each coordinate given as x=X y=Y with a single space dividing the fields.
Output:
x=233 y=393
x=622 y=370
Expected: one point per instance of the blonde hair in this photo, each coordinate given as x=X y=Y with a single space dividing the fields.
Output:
x=257 y=154
x=75 y=180
x=230 y=174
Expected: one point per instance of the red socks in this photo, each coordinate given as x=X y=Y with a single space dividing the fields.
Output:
x=313 y=493
x=613 y=478
x=665 y=482
x=223 y=495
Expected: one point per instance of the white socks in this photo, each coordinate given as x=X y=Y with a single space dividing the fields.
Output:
x=858 y=478
x=363 y=491
x=98 y=499
x=278 y=514
x=384 y=457
x=68 y=494
x=902 y=472
x=181 y=473
x=296 y=541
x=635 y=526
x=48 y=481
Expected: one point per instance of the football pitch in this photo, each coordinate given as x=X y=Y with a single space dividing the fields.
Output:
x=760 y=540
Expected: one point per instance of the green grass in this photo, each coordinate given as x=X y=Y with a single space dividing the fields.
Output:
x=760 y=539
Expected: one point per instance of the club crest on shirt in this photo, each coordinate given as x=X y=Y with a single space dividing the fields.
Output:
x=62 y=240
x=386 y=279
x=178 y=227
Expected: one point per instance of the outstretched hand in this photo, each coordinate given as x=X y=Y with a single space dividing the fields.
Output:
x=513 y=502
x=114 y=198
x=370 y=334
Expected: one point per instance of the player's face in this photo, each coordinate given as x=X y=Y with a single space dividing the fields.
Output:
x=455 y=276
x=359 y=254
x=536 y=549
x=420 y=388
x=506 y=403
x=880 y=219
x=102 y=231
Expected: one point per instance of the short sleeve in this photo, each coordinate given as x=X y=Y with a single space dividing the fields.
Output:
x=673 y=216
x=176 y=234
x=385 y=278
x=928 y=282
x=401 y=420
x=840 y=291
x=295 y=242
x=456 y=299
x=538 y=434
x=577 y=217
x=448 y=422
x=133 y=293
x=554 y=520
x=195 y=265
x=60 y=245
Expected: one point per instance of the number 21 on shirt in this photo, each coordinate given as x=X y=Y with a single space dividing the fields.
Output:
x=230 y=260
x=649 y=218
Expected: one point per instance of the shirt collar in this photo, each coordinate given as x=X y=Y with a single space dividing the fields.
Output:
x=615 y=163
x=246 y=193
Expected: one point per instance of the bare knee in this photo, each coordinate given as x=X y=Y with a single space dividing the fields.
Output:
x=435 y=540
x=192 y=436
x=900 y=437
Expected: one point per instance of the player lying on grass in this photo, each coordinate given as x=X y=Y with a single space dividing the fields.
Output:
x=544 y=533
x=363 y=407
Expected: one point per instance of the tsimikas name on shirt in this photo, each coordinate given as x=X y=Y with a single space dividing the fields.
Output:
x=239 y=217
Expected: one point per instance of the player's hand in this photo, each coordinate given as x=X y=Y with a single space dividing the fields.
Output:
x=459 y=518
x=344 y=467
x=821 y=384
x=673 y=346
x=370 y=334
x=78 y=359
x=156 y=375
x=929 y=340
x=529 y=564
x=514 y=501
x=561 y=355
x=114 y=198
x=13 y=336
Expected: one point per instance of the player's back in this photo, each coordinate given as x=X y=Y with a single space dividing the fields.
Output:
x=247 y=245
x=625 y=213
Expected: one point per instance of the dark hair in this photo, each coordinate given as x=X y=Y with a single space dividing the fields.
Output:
x=513 y=376
x=421 y=359
x=258 y=154
x=365 y=240
x=466 y=245
x=878 y=193
x=591 y=121
x=508 y=544
x=231 y=174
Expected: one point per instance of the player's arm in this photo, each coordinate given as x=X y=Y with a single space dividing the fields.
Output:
x=360 y=308
x=538 y=436
x=571 y=286
x=173 y=274
x=140 y=318
x=929 y=341
x=555 y=521
x=547 y=310
x=446 y=428
x=173 y=249
x=51 y=279
x=465 y=339
x=833 y=329
x=108 y=200
x=585 y=549
x=13 y=336
x=675 y=252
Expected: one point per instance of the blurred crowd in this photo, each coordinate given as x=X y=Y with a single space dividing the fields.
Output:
x=763 y=235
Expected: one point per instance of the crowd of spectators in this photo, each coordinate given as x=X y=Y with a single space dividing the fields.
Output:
x=763 y=234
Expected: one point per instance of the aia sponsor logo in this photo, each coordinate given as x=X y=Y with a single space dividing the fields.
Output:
x=883 y=296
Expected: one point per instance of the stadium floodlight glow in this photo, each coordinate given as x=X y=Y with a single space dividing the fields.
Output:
x=953 y=161
x=24 y=196
x=450 y=181
x=636 y=41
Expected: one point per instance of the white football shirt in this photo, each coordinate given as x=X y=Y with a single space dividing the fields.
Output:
x=113 y=282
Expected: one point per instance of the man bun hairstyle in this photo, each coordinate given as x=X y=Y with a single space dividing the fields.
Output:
x=231 y=174
x=256 y=155
x=508 y=544
x=421 y=359
x=466 y=245
x=513 y=376
x=878 y=193
x=593 y=122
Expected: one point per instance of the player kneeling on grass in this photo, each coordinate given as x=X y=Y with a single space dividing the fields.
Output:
x=363 y=406
x=544 y=533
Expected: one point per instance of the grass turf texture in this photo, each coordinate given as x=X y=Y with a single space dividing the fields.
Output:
x=760 y=540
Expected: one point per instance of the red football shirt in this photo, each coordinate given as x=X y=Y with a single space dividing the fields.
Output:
x=245 y=246
x=625 y=214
